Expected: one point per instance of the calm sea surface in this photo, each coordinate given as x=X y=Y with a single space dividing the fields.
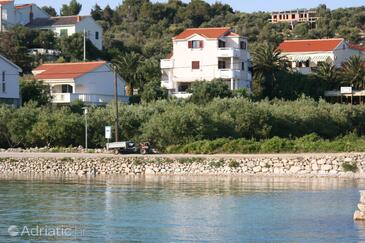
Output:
x=179 y=209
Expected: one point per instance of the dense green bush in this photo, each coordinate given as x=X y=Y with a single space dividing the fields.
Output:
x=235 y=125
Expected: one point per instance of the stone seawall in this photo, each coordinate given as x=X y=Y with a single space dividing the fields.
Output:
x=351 y=165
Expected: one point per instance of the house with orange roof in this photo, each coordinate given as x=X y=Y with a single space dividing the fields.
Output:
x=32 y=16
x=206 y=54
x=89 y=82
x=305 y=55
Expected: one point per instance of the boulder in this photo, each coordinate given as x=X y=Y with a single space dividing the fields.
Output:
x=358 y=215
x=361 y=207
x=294 y=169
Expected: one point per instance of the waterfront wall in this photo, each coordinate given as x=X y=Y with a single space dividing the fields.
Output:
x=352 y=165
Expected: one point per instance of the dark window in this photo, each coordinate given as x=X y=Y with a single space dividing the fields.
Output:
x=195 y=44
x=3 y=76
x=221 y=65
x=195 y=65
x=63 y=32
x=221 y=44
x=183 y=87
x=96 y=35
x=293 y=16
x=243 y=45
x=66 y=88
x=243 y=66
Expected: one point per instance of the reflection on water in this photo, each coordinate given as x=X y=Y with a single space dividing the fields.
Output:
x=186 y=209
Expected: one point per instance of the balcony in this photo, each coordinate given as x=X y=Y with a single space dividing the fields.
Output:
x=181 y=95
x=65 y=98
x=229 y=52
x=167 y=63
x=229 y=74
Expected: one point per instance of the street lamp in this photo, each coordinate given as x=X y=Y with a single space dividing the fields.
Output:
x=85 y=114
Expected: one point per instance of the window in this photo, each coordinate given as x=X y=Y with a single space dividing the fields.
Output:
x=243 y=66
x=63 y=32
x=221 y=44
x=96 y=35
x=183 y=87
x=195 y=65
x=3 y=76
x=195 y=44
x=221 y=65
x=293 y=16
x=66 y=88
x=243 y=45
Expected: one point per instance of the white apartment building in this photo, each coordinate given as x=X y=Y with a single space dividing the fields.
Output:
x=32 y=16
x=206 y=54
x=9 y=82
x=90 y=82
x=305 y=55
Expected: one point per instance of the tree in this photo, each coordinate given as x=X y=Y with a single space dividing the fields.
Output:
x=50 y=10
x=127 y=66
x=267 y=64
x=153 y=91
x=35 y=91
x=352 y=72
x=97 y=12
x=73 y=8
x=327 y=73
x=205 y=91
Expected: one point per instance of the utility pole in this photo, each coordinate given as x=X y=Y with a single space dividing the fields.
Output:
x=84 y=45
x=116 y=105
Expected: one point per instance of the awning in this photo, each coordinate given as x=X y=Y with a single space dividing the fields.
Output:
x=320 y=58
x=299 y=58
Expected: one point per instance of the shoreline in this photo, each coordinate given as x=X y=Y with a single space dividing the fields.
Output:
x=341 y=165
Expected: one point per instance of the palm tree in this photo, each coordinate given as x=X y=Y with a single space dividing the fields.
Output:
x=267 y=63
x=352 y=72
x=127 y=68
x=327 y=72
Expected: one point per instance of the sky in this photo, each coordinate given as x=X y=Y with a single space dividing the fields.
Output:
x=241 y=5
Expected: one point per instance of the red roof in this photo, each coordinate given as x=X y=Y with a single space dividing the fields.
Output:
x=66 y=70
x=4 y=2
x=309 y=45
x=210 y=33
x=357 y=47
x=23 y=6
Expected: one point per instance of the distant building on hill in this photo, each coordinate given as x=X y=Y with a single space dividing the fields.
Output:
x=295 y=16
x=9 y=82
x=206 y=54
x=89 y=82
x=32 y=16
x=305 y=55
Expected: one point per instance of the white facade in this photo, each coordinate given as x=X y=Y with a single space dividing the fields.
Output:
x=9 y=82
x=27 y=14
x=306 y=62
x=95 y=87
x=229 y=62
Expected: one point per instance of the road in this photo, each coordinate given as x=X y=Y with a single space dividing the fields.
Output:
x=172 y=156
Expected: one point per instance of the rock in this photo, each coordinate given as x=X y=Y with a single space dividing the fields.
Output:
x=294 y=169
x=257 y=169
x=358 y=215
x=315 y=167
x=326 y=167
x=361 y=207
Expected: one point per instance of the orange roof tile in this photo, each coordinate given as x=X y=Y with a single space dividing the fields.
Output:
x=210 y=33
x=4 y=2
x=66 y=70
x=309 y=45
x=23 y=6
x=357 y=47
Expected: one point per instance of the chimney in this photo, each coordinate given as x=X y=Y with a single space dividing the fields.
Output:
x=78 y=18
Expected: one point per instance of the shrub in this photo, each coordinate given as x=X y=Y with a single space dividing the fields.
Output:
x=233 y=164
x=347 y=166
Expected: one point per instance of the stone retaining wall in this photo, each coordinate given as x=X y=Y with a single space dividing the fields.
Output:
x=335 y=166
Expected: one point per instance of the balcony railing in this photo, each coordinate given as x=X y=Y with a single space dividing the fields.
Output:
x=229 y=52
x=64 y=98
x=167 y=63
x=229 y=73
